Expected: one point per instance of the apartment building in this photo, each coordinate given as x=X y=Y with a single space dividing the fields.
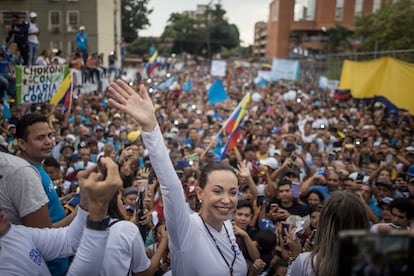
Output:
x=59 y=20
x=298 y=28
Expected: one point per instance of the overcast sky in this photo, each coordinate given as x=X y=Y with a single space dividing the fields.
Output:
x=243 y=13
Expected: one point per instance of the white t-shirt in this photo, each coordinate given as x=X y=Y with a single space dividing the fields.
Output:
x=33 y=28
x=193 y=252
x=25 y=250
x=301 y=266
x=125 y=249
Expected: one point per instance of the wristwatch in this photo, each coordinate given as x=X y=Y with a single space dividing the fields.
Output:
x=99 y=225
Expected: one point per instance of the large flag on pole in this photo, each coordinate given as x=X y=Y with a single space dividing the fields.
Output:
x=233 y=123
x=64 y=93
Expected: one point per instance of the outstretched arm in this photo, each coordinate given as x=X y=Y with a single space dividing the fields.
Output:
x=139 y=105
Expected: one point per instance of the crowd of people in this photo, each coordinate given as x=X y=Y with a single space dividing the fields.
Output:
x=21 y=47
x=303 y=168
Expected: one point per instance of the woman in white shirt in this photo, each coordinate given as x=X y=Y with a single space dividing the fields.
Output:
x=342 y=211
x=201 y=243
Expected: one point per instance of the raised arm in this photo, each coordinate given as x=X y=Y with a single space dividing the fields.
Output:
x=139 y=105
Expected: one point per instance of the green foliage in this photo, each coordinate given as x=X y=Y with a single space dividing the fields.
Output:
x=338 y=39
x=390 y=28
x=203 y=37
x=140 y=46
x=134 y=17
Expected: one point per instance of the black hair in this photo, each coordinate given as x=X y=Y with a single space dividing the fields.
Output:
x=316 y=192
x=250 y=147
x=26 y=121
x=266 y=241
x=284 y=181
x=317 y=208
x=51 y=162
x=213 y=167
x=404 y=205
x=113 y=208
x=242 y=203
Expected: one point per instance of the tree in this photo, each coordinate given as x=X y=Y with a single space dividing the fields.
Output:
x=390 y=28
x=134 y=17
x=205 y=36
x=338 y=39
x=187 y=36
x=220 y=33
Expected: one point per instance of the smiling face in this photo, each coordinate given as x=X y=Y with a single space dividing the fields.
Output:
x=38 y=144
x=242 y=217
x=219 y=197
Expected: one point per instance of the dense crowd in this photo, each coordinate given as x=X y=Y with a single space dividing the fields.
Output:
x=298 y=149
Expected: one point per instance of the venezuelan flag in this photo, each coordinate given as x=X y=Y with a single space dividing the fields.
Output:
x=63 y=94
x=152 y=61
x=266 y=67
x=232 y=126
x=238 y=68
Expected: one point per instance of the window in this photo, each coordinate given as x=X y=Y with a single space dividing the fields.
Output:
x=304 y=10
x=339 y=13
x=376 y=5
x=5 y=16
x=54 y=21
x=358 y=7
x=72 y=21
x=55 y=44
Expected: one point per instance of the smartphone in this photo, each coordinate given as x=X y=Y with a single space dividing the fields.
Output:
x=274 y=206
x=331 y=157
x=388 y=158
x=293 y=158
x=139 y=207
x=312 y=238
x=295 y=189
x=74 y=201
x=143 y=187
x=285 y=229
x=365 y=253
x=260 y=200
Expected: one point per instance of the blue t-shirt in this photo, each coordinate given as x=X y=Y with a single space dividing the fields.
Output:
x=372 y=203
x=81 y=40
x=56 y=213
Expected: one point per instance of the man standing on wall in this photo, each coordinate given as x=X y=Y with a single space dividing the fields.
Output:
x=82 y=42
x=33 y=38
x=20 y=31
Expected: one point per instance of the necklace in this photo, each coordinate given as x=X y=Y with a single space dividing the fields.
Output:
x=218 y=248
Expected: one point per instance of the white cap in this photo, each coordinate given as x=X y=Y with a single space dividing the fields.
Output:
x=270 y=162
x=81 y=28
x=32 y=15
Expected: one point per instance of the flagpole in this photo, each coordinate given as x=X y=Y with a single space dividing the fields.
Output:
x=224 y=125
x=215 y=138
x=71 y=94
